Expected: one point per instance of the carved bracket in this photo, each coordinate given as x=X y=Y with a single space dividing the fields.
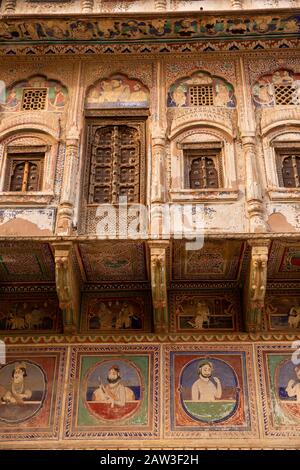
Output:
x=255 y=287
x=67 y=286
x=159 y=285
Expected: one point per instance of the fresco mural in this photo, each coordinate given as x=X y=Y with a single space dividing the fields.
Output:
x=209 y=390
x=117 y=91
x=280 y=385
x=112 y=394
x=136 y=28
x=56 y=93
x=282 y=311
x=284 y=260
x=21 y=262
x=190 y=312
x=27 y=315
x=120 y=312
x=281 y=87
x=22 y=391
x=107 y=396
x=223 y=92
x=216 y=260
x=202 y=390
x=114 y=261
x=31 y=391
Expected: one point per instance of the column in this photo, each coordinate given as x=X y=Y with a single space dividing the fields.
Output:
x=254 y=194
x=66 y=207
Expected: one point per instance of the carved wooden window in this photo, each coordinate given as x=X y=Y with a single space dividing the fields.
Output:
x=288 y=165
x=25 y=172
x=34 y=99
x=116 y=161
x=202 y=168
x=201 y=95
x=284 y=94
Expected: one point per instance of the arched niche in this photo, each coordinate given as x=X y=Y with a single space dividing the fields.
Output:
x=201 y=89
x=210 y=140
x=20 y=96
x=278 y=141
x=117 y=91
x=279 y=88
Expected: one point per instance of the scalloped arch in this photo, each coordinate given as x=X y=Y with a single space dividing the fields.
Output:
x=57 y=93
x=117 y=91
x=223 y=91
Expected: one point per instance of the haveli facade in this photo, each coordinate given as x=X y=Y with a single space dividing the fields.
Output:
x=121 y=331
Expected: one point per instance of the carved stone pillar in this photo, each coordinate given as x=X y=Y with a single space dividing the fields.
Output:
x=10 y=6
x=159 y=285
x=158 y=185
x=66 y=207
x=87 y=6
x=237 y=4
x=158 y=182
x=67 y=286
x=254 y=193
x=255 y=288
x=160 y=5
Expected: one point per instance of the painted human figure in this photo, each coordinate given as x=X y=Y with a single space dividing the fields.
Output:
x=138 y=94
x=105 y=316
x=202 y=315
x=114 y=392
x=18 y=393
x=124 y=316
x=206 y=388
x=222 y=95
x=59 y=99
x=293 y=387
x=179 y=96
x=294 y=317
x=263 y=92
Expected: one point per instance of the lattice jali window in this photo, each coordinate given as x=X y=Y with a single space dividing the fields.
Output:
x=25 y=173
x=284 y=94
x=116 y=161
x=203 y=168
x=34 y=99
x=201 y=95
x=288 y=167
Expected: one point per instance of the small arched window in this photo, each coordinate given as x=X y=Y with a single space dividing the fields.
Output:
x=25 y=171
x=290 y=169
x=202 y=167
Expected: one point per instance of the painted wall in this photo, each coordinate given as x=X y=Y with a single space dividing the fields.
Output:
x=239 y=82
x=176 y=394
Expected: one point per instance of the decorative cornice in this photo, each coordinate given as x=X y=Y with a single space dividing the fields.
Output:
x=154 y=27
x=25 y=289
x=151 y=338
x=147 y=49
x=106 y=286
